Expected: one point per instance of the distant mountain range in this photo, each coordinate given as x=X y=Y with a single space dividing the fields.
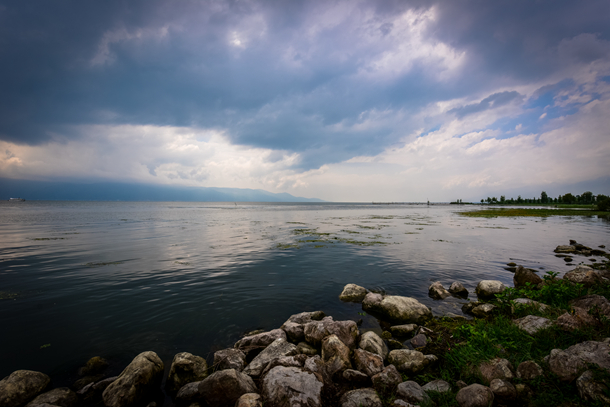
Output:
x=115 y=191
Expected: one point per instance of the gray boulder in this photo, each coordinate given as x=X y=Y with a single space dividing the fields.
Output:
x=588 y=302
x=475 y=395
x=532 y=324
x=185 y=368
x=387 y=380
x=294 y=326
x=314 y=364
x=92 y=393
x=296 y=361
x=483 y=310
x=496 y=369
x=523 y=276
x=412 y=392
x=367 y=362
x=22 y=386
x=225 y=387
x=371 y=342
x=440 y=386
x=280 y=347
x=577 y=319
x=306 y=349
x=408 y=361
x=503 y=390
x=291 y=386
x=568 y=364
x=529 y=370
x=397 y=308
x=458 y=290
x=526 y=302
x=360 y=398
x=230 y=358
x=346 y=331
x=583 y=275
x=335 y=354
x=353 y=293
x=437 y=291
x=565 y=249
x=249 y=400
x=61 y=396
x=259 y=341
x=137 y=382
x=590 y=389
x=189 y=393
x=419 y=341
x=356 y=378
x=403 y=330
x=487 y=289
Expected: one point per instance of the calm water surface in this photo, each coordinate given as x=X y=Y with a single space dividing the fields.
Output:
x=79 y=279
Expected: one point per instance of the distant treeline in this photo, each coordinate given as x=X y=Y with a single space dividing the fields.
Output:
x=586 y=198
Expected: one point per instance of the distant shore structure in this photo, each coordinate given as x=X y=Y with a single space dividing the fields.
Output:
x=16 y=200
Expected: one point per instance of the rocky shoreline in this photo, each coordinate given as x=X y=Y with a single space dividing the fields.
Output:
x=313 y=360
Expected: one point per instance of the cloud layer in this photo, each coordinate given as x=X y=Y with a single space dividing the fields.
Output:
x=343 y=100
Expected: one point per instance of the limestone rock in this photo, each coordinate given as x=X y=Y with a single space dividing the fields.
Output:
x=367 y=362
x=185 y=368
x=412 y=392
x=372 y=302
x=503 y=390
x=287 y=361
x=189 y=393
x=583 y=275
x=419 y=341
x=398 y=308
x=483 y=310
x=440 y=386
x=458 y=290
x=579 y=319
x=437 y=291
x=230 y=358
x=280 y=347
x=371 y=342
x=225 y=387
x=61 y=396
x=532 y=324
x=569 y=363
x=475 y=395
x=305 y=317
x=496 y=369
x=291 y=386
x=94 y=366
x=137 y=381
x=589 y=389
x=84 y=381
x=432 y=359
x=395 y=344
x=356 y=378
x=565 y=249
x=335 y=355
x=408 y=361
x=259 y=341
x=346 y=331
x=294 y=332
x=92 y=393
x=403 y=330
x=528 y=370
x=469 y=306
x=361 y=398
x=249 y=400
x=353 y=293
x=314 y=364
x=306 y=349
x=387 y=380
x=22 y=386
x=402 y=403
x=526 y=302
x=523 y=276
x=601 y=304
x=487 y=289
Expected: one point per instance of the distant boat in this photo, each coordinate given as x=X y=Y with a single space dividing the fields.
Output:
x=16 y=200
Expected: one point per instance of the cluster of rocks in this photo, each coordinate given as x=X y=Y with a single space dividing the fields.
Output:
x=568 y=251
x=313 y=360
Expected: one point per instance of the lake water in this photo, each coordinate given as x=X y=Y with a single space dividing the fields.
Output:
x=79 y=279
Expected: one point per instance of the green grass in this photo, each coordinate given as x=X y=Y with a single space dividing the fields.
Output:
x=531 y=212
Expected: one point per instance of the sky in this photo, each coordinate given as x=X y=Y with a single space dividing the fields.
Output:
x=395 y=101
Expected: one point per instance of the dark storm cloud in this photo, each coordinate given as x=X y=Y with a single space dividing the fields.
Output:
x=295 y=83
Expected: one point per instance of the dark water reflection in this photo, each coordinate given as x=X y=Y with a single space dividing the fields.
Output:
x=115 y=279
